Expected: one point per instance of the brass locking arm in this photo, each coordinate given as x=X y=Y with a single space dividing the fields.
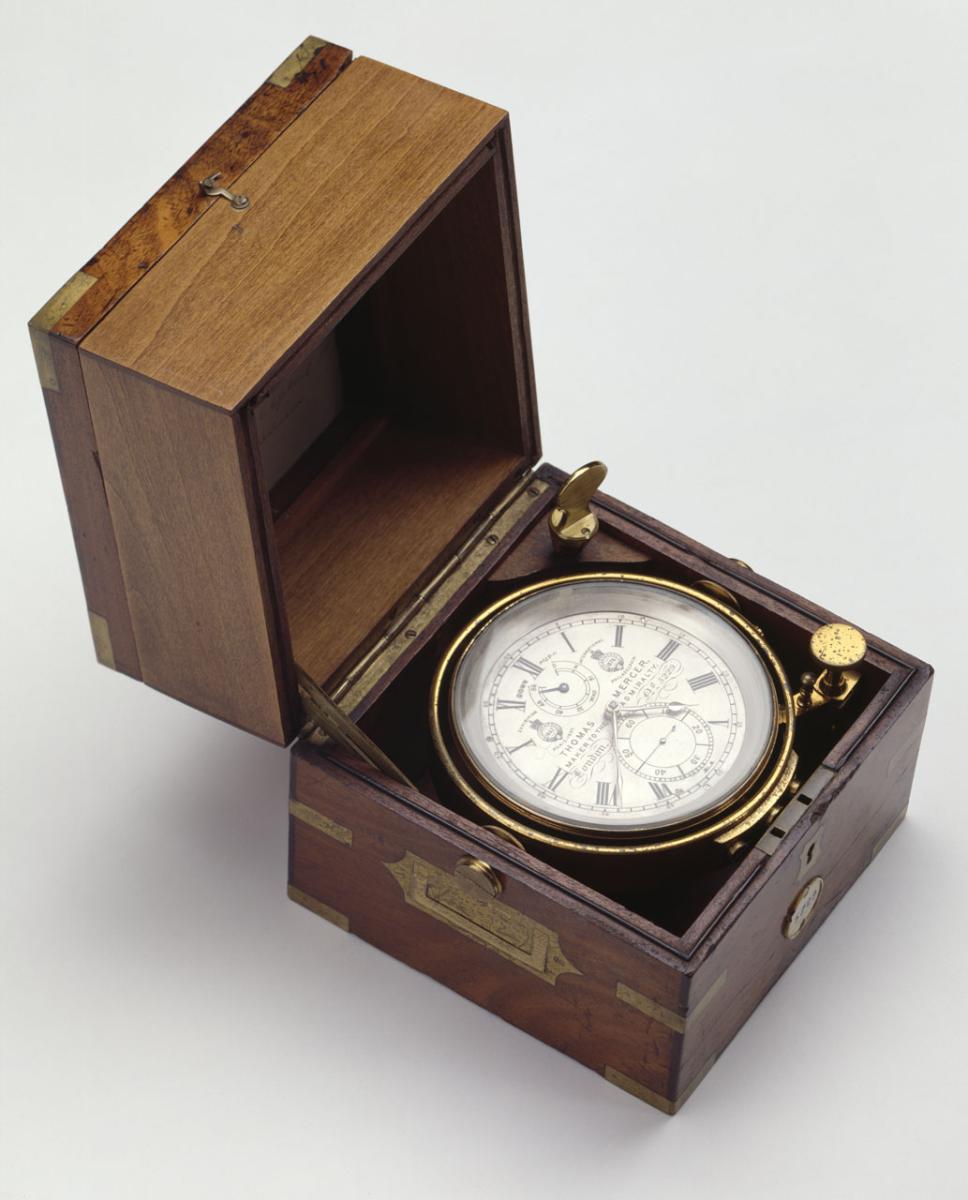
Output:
x=571 y=521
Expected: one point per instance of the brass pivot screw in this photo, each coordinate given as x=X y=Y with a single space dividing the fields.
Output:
x=718 y=592
x=838 y=649
x=572 y=522
x=505 y=835
x=478 y=876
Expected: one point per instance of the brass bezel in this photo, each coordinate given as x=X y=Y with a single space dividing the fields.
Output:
x=741 y=808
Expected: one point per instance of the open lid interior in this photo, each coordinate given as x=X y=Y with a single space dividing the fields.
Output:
x=383 y=441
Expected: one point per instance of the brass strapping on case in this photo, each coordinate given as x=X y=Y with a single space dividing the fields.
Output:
x=101 y=633
x=300 y=58
x=319 y=908
x=713 y=991
x=44 y=359
x=654 y=1011
x=62 y=301
x=309 y=816
x=44 y=320
x=663 y=1103
x=639 y=1091
x=491 y=923
x=665 y=1016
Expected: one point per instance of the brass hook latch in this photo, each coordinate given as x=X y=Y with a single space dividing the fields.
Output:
x=210 y=188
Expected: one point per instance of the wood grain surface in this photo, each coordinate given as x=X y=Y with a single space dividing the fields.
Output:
x=384 y=171
x=76 y=308
x=845 y=826
x=329 y=197
x=94 y=537
x=433 y=368
x=179 y=202
x=578 y=1014
x=357 y=540
x=189 y=549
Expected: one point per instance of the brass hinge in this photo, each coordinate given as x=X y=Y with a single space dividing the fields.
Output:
x=326 y=714
x=322 y=714
x=483 y=541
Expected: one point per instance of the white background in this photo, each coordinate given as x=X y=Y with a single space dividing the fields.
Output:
x=744 y=229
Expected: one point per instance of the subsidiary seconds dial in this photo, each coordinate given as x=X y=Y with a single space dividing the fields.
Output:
x=670 y=741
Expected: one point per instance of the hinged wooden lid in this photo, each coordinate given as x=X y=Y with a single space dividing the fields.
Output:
x=306 y=399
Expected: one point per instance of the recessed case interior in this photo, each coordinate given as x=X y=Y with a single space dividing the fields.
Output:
x=679 y=908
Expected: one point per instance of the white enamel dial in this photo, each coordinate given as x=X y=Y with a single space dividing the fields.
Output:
x=612 y=705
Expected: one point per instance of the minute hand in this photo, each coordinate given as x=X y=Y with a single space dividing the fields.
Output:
x=637 y=709
x=618 y=759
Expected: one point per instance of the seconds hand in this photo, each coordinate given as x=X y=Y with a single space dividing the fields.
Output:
x=661 y=742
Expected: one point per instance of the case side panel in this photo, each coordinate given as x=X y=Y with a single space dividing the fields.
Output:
x=840 y=834
x=180 y=499
x=532 y=956
x=65 y=397
x=517 y=289
x=179 y=202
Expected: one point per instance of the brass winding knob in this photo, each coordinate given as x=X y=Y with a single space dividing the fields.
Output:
x=838 y=649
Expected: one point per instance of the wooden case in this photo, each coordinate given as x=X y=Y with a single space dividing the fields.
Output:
x=275 y=423
x=297 y=436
